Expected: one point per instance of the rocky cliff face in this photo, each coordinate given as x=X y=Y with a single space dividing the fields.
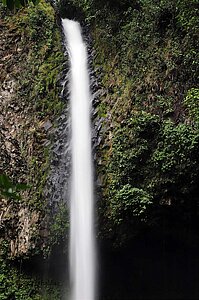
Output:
x=31 y=60
x=146 y=117
x=146 y=61
x=16 y=141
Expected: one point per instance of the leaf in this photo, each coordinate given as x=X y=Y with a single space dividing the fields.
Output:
x=9 y=195
x=5 y=182
x=22 y=186
x=9 y=190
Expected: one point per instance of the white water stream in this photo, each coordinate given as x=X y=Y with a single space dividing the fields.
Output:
x=82 y=244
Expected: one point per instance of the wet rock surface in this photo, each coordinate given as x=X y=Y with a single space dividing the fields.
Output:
x=58 y=183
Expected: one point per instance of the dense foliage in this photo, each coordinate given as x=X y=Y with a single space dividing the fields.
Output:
x=148 y=158
x=15 y=4
x=14 y=284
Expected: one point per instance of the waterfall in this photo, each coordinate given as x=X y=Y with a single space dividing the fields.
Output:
x=82 y=244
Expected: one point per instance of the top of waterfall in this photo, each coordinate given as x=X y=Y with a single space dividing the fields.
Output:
x=74 y=30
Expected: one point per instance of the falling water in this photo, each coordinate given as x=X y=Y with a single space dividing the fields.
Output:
x=82 y=250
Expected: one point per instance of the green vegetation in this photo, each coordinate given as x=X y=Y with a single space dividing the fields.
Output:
x=191 y=102
x=148 y=162
x=35 y=49
x=37 y=68
x=16 y=4
x=152 y=163
x=38 y=86
x=10 y=190
x=16 y=285
x=146 y=51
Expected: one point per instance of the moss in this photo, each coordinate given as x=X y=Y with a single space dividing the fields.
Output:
x=39 y=33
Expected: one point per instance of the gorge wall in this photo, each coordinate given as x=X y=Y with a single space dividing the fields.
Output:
x=146 y=117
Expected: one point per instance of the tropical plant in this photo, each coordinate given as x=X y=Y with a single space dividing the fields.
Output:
x=10 y=190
